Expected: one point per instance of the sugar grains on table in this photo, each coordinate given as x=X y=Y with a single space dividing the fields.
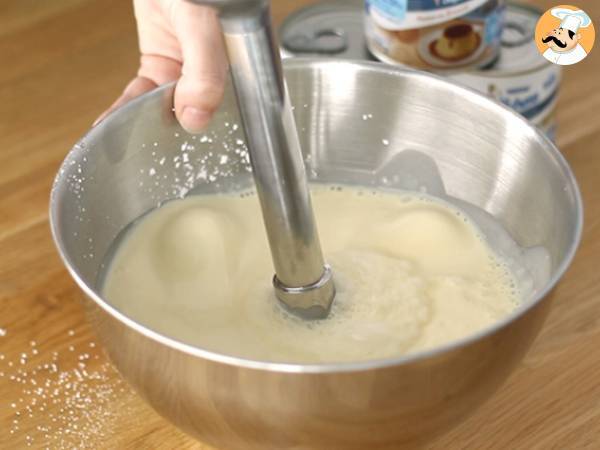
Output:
x=64 y=401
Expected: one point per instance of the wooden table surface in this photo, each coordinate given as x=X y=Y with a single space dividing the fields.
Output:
x=61 y=63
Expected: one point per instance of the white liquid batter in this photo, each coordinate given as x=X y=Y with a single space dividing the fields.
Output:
x=411 y=273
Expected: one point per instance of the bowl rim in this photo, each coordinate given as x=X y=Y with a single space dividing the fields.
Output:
x=337 y=367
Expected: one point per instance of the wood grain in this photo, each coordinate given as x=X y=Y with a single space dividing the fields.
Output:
x=63 y=62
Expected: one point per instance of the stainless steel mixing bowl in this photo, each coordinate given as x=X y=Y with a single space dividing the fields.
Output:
x=360 y=123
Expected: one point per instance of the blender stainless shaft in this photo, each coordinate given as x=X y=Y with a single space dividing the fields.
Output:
x=303 y=282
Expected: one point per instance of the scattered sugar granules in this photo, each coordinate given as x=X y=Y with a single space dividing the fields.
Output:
x=63 y=401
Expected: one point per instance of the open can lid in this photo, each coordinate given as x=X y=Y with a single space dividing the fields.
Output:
x=330 y=28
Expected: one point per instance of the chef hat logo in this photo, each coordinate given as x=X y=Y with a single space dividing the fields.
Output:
x=571 y=20
x=565 y=35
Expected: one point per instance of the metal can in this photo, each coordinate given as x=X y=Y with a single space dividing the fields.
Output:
x=438 y=35
x=330 y=28
x=521 y=78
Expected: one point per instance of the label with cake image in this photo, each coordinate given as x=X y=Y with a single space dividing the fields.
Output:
x=407 y=14
x=468 y=41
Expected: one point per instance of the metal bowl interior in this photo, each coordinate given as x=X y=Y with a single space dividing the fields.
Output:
x=362 y=124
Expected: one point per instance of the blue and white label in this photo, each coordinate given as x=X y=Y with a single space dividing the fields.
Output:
x=408 y=14
x=393 y=10
x=494 y=24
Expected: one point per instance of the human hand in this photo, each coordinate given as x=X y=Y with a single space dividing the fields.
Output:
x=179 y=41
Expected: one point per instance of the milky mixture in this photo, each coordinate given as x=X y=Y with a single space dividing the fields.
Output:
x=411 y=273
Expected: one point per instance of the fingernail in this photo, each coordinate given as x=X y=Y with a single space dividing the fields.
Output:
x=194 y=119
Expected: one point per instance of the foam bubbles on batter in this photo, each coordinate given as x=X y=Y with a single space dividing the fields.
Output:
x=411 y=273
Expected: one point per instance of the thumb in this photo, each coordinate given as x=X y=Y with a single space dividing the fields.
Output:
x=200 y=89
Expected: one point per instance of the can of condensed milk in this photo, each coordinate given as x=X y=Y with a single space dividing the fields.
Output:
x=438 y=35
x=520 y=78
x=332 y=28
